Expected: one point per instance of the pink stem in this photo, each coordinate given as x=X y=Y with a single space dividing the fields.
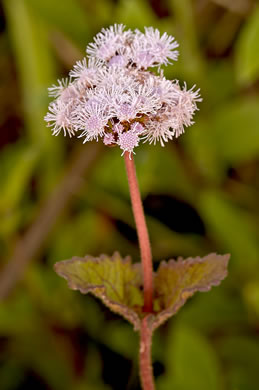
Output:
x=146 y=371
x=144 y=243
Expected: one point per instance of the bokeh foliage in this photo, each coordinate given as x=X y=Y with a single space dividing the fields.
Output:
x=200 y=194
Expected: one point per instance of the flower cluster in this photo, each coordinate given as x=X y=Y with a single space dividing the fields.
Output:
x=118 y=93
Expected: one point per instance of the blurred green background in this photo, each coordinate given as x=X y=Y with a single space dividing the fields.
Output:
x=60 y=198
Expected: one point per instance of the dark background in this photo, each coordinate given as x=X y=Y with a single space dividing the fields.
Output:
x=60 y=198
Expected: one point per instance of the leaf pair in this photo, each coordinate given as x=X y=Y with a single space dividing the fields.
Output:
x=118 y=283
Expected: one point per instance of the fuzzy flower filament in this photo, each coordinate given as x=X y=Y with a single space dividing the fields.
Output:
x=118 y=92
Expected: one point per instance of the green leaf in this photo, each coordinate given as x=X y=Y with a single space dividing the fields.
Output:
x=191 y=63
x=118 y=283
x=35 y=66
x=112 y=279
x=232 y=227
x=135 y=13
x=235 y=131
x=216 y=310
x=36 y=70
x=228 y=137
x=247 y=57
x=240 y=355
x=191 y=361
x=15 y=177
x=176 y=281
x=70 y=18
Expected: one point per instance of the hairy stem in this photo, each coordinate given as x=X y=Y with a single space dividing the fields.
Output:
x=144 y=243
x=146 y=371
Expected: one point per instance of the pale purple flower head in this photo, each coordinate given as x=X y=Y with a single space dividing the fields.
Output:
x=110 y=43
x=91 y=119
x=118 y=92
x=59 y=118
x=128 y=140
x=150 y=49
x=108 y=139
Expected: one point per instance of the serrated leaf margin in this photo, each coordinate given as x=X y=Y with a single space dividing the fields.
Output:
x=124 y=310
x=162 y=316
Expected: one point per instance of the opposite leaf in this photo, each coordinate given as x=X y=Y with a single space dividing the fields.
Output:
x=176 y=281
x=114 y=280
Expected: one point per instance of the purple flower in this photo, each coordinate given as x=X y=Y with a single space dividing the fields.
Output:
x=65 y=90
x=114 y=95
x=128 y=140
x=151 y=49
x=108 y=139
x=109 y=43
x=59 y=118
x=91 y=119
x=87 y=73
